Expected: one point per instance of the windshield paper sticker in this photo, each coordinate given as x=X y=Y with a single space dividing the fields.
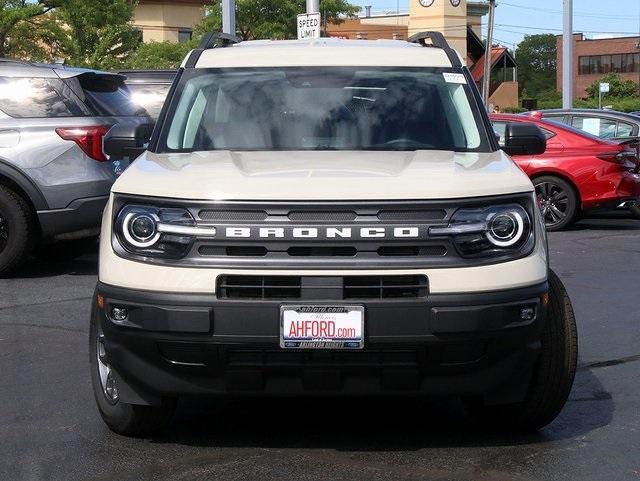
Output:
x=454 y=78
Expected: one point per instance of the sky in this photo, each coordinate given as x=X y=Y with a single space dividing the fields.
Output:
x=517 y=18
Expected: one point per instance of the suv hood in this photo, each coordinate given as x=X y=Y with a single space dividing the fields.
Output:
x=322 y=175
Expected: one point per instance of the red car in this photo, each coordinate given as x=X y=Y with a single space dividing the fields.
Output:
x=578 y=172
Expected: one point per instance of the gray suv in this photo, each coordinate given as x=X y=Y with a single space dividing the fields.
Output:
x=54 y=176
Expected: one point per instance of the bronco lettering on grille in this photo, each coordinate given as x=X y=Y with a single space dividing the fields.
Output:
x=322 y=232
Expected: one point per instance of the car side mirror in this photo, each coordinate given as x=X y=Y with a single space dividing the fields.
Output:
x=127 y=139
x=524 y=138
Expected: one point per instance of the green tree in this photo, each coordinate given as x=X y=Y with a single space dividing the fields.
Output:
x=537 y=64
x=22 y=32
x=272 y=19
x=618 y=87
x=96 y=34
x=158 y=55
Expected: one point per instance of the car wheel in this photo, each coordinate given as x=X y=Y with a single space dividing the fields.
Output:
x=558 y=201
x=635 y=212
x=553 y=375
x=17 y=230
x=121 y=418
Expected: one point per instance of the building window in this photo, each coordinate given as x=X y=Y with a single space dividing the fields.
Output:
x=616 y=63
x=631 y=62
x=601 y=64
x=184 y=35
x=584 y=65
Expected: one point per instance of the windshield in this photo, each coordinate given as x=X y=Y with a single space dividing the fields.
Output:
x=323 y=109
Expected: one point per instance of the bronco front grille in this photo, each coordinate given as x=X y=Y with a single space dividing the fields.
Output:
x=321 y=287
x=323 y=235
x=319 y=235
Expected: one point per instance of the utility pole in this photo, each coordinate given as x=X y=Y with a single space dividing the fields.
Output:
x=229 y=16
x=486 y=80
x=567 y=54
x=313 y=6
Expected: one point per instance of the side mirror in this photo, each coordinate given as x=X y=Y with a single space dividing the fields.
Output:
x=127 y=139
x=524 y=138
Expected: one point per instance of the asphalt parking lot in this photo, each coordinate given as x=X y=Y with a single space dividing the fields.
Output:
x=50 y=427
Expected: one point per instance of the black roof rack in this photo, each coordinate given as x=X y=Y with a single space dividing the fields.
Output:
x=437 y=41
x=214 y=39
x=211 y=40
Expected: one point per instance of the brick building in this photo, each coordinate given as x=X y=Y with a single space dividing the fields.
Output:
x=388 y=26
x=592 y=59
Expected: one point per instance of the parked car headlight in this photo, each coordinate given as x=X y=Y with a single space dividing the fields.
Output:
x=140 y=229
x=490 y=231
x=157 y=231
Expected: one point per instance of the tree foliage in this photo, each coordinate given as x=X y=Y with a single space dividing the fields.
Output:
x=96 y=34
x=99 y=34
x=618 y=87
x=272 y=19
x=537 y=64
x=158 y=55
x=84 y=33
x=23 y=27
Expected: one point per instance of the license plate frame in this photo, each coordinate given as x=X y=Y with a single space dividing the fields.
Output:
x=316 y=313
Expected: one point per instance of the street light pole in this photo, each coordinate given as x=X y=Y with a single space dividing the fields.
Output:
x=313 y=6
x=486 y=80
x=567 y=55
x=229 y=16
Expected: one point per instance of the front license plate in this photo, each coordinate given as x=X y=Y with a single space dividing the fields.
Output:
x=322 y=327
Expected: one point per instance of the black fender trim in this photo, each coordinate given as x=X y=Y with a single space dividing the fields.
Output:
x=15 y=175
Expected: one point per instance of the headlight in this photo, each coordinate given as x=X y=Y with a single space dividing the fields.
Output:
x=492 y=231
x=157 y=232
x=140 y=229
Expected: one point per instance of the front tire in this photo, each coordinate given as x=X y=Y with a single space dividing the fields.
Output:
x=120 y=417
x=553 y=375
x=558 y=201
x=635 y=212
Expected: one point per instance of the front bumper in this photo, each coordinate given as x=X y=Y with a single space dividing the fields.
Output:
x=443 y=344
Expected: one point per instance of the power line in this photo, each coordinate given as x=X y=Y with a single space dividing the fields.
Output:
x=577 y=14
x=547 y=29
x=510 y=44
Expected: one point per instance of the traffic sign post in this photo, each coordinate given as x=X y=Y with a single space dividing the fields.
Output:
x=604 y=89
x=308 y=26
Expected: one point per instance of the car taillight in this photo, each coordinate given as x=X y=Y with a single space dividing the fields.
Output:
x=627 y=158
x=89 y=139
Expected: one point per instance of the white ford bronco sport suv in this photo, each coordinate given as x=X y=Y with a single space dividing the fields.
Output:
x=327 y=217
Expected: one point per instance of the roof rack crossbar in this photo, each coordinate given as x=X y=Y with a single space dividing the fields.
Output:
x=211 y=40
x=437 y=41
